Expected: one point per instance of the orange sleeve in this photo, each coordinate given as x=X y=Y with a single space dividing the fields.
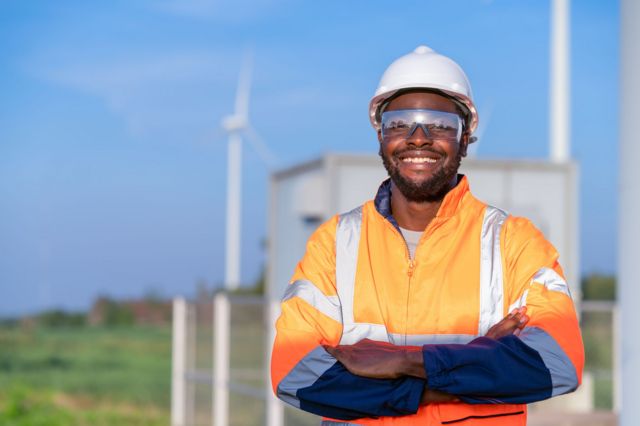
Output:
x=535 y=278
x=307 y=316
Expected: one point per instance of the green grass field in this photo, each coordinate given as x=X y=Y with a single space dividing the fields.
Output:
x=598 y=344
x=121 y=376
x=85 y=376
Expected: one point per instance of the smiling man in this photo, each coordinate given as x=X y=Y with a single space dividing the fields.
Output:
x=426 y=305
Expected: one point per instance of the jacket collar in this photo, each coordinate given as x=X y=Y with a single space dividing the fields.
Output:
x=448 y=208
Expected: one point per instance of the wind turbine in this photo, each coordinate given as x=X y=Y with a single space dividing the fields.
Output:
x=237 y=125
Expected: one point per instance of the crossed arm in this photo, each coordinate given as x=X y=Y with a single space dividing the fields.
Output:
x=373 y=379
x=381 y=360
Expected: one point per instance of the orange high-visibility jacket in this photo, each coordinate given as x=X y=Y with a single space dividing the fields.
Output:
x=473 y=265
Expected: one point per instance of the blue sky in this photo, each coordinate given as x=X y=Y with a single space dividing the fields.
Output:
x=112 y=162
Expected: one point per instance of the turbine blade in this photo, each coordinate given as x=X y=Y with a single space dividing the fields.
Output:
x=213 y=136
x=244 y=86
x=261 y=148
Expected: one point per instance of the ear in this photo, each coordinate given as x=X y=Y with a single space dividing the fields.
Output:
x=464 y=143
x=380 y=136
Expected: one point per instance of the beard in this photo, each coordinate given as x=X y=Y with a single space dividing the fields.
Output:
x=428 y=190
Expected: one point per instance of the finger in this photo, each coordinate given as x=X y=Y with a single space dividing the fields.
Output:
x=509 y=323
x=331 y=350
x=521 y=311
x=437 y=396
x=505 y=327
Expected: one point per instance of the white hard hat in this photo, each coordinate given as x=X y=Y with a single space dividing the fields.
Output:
x=424 y=69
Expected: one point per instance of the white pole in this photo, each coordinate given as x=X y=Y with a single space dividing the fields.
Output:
x=629 y=210
x=190 y=362
x=617 y=346
x=275 y=409
x=234 y=184
x=221 y=324
x=559 y=118
x=178 y=363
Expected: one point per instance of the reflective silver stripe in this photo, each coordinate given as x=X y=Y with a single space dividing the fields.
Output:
x=431 y=339
x=522 y=301
x=307 y=291
x=378 y=332
x=304 y=374
x=354 y=332
x=563 y=374
x=551 y=280
x=491 y=286
x=347 y=245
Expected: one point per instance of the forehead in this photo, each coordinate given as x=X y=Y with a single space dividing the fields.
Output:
x=422 y=100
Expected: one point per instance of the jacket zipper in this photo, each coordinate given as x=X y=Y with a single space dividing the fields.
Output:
x=409 y=274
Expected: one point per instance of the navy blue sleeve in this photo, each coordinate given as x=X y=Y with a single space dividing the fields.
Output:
x=485 y=370
x=339 y=394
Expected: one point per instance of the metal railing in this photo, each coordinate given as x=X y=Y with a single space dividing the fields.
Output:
x=220 y=362
x=221 y=356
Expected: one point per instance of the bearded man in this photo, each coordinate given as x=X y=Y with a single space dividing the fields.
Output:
x=425 y=305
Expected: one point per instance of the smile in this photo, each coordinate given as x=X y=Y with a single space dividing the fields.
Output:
x=418 y=160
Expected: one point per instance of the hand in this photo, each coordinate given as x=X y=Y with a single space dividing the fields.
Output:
x=379 y=360
x=430 y=396
x=511 y=324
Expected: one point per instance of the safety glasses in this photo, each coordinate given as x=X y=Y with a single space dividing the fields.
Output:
x=437 y=125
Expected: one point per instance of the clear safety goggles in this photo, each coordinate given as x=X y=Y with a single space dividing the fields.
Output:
x=436 y=125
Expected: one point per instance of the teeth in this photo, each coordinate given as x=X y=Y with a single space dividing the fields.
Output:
x=419 y=160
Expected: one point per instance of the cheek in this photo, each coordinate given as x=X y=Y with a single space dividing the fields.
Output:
x=452 y=150
x=387 y=150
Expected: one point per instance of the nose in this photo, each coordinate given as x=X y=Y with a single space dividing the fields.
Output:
x=419 y=136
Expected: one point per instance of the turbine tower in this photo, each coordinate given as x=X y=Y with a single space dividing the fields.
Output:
x=234 y=125
x=237 y=126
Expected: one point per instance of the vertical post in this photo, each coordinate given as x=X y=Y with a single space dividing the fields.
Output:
x=221 y=324
x=178 y=363
x=190 y=363
x=275 y=410
x=617 y=374
x=629 y=210
x=234 y=211
x=559 y=118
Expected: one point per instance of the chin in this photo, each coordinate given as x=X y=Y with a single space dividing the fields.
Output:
x=431 y=186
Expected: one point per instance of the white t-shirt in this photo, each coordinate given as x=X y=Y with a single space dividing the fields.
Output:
x=412 y=238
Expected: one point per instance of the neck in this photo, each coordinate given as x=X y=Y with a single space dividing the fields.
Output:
x=414 y=215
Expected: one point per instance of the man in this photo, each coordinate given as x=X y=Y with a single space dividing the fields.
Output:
x=425 y=305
